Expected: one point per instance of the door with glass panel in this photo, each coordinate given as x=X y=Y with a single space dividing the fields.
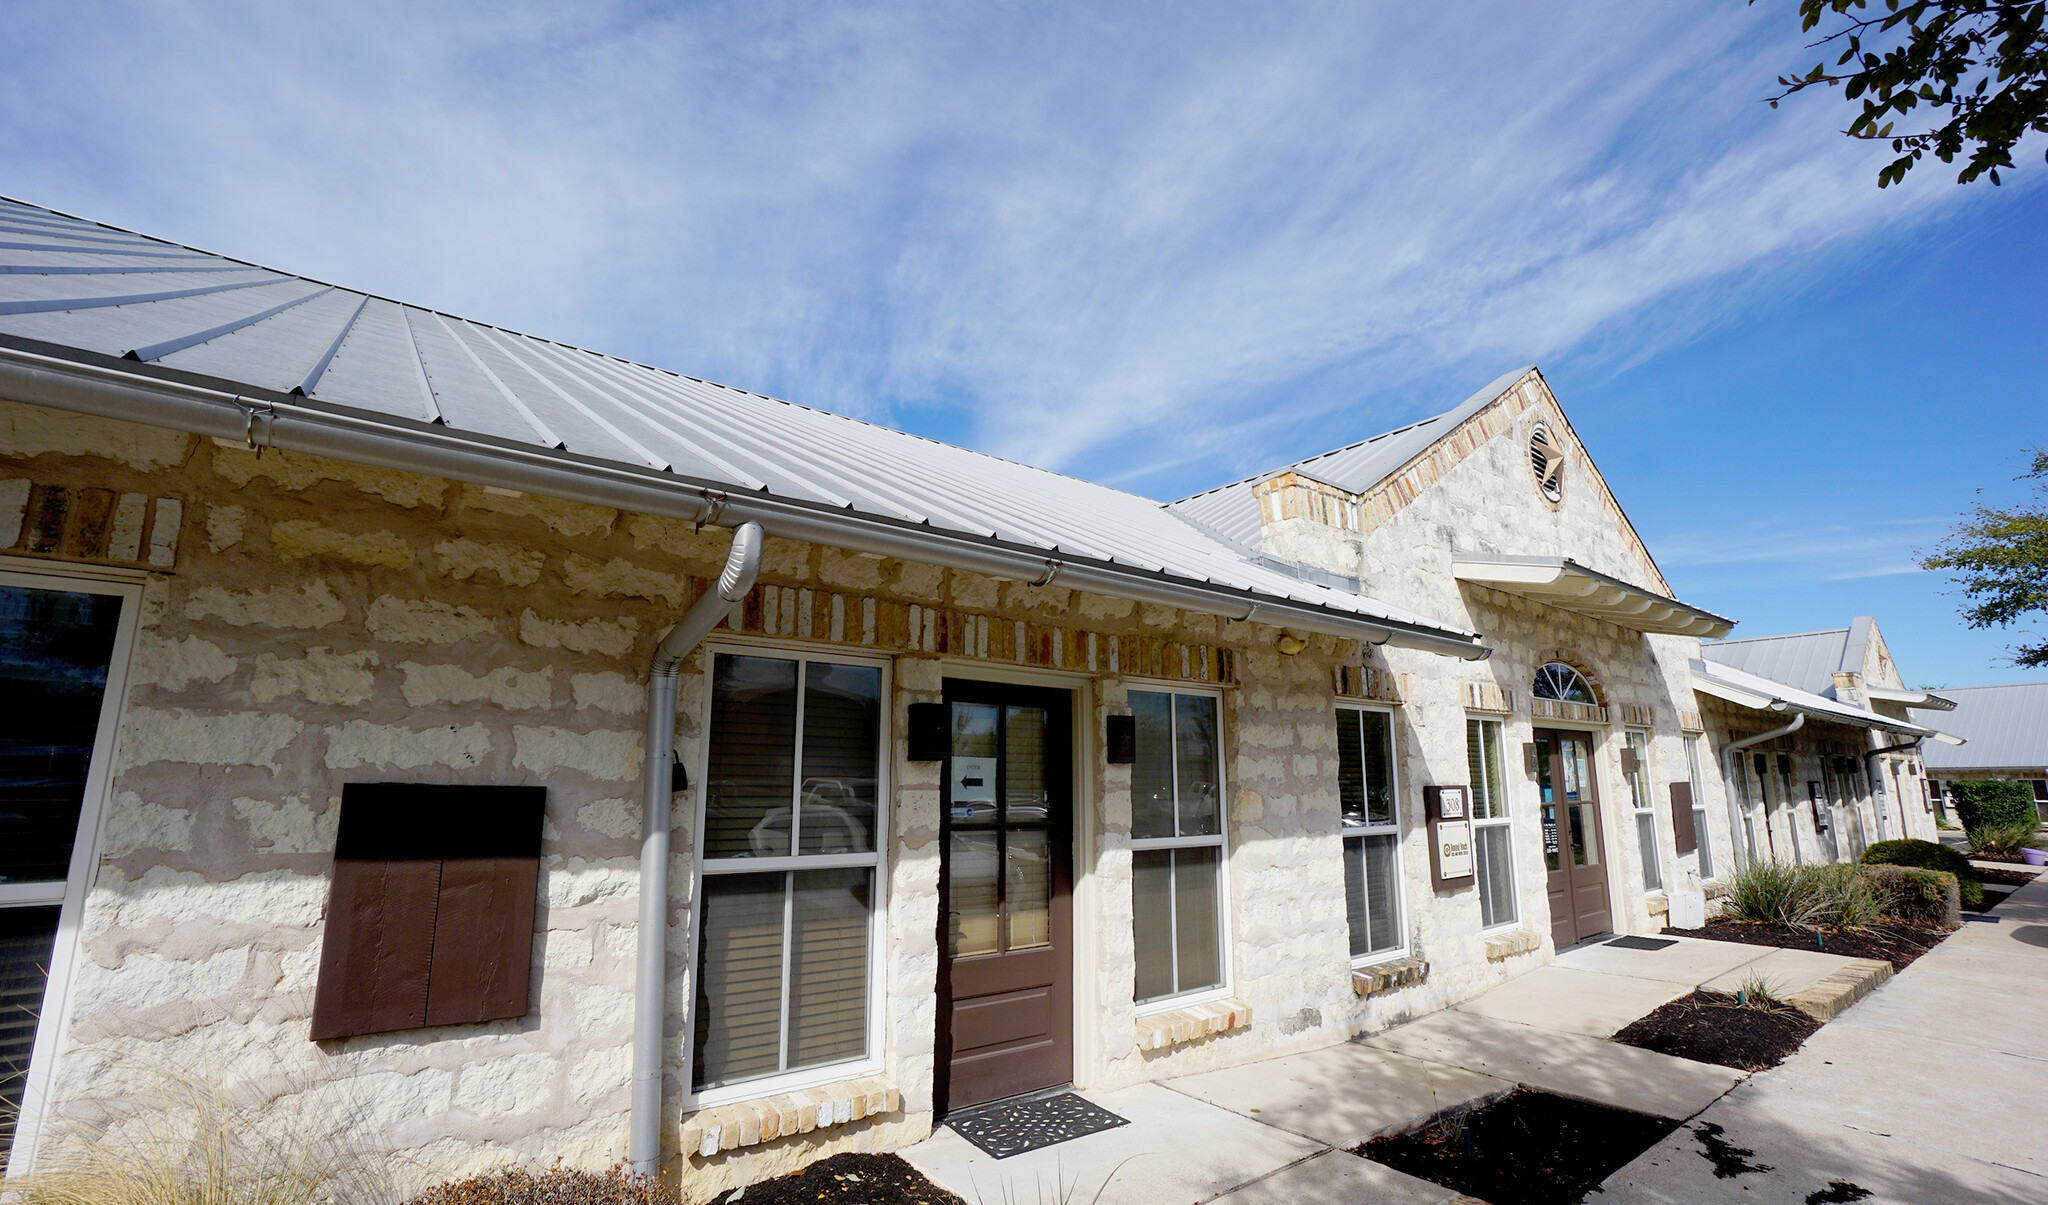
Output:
x=1005 y=892
x=60 y=641
x=1573 y=853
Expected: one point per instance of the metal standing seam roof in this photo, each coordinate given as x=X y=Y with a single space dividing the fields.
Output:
x=1233 y=512
x=1807 y=660
x=2007 y=727
x=1745 y=689
x=80 y=285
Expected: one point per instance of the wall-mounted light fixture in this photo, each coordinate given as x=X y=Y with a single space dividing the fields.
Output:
x=1289 y=644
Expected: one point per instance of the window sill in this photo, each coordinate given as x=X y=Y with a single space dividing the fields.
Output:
x=1387 y=976
x=1504 y=946
x=1175 y=1027
x=751 y=1123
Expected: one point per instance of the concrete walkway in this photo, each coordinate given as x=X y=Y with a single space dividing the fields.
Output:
x=1278 y=1131
x=1932 y=1090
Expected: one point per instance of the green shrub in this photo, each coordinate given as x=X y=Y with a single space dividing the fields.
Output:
x=1989 y=802
x=1931 y=856
x=1929 y=898
x=2003 y=836
x=1809 y=897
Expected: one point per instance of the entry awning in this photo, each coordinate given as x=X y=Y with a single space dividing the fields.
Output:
x=1569 y=586
x=1912 y=700
x=1762 y=694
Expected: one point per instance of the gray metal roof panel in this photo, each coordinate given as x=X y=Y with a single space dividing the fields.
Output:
x=1807 y=660
x=1232 y=510
x=2006 y=727
x=419 y=365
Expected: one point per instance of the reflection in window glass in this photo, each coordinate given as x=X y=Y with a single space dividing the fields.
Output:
x=1177 y=844
x=752 y=766
x=1492 y=838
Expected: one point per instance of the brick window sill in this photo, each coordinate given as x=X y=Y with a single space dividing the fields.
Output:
x=1391 y=975
x=1175 y=1027
x=1503 y=946
x=753 y=1122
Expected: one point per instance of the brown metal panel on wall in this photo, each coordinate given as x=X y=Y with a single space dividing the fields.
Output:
x=483 y=940
x=1683 y=835
x=379 y=945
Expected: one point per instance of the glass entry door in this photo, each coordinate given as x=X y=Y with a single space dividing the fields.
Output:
x=1005 y=888
x=59 y=640
x=1573 y=852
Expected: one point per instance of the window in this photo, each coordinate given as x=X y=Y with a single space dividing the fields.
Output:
x=1699 y=807
x=1370 y=806
x=1177 y=845
x=791 y=808
x=63 y=643
x=430 y=910
x=1563 y=683
x=1492 y=841
x=1637 y=767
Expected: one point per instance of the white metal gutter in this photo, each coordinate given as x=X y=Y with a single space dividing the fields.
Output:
x=1728 y=752
x=286 y=423
x=650 y=998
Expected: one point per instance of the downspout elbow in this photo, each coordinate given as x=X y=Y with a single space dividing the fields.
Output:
x=650 y=1004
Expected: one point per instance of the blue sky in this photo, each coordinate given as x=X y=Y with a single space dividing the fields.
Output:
x=1155 y=245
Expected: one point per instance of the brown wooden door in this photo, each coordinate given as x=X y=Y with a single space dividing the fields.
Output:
x=1573 y=852
x=1005 y=894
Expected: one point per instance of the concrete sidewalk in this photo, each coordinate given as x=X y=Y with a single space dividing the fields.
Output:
x=1933 y=1090
x=1279 y=1130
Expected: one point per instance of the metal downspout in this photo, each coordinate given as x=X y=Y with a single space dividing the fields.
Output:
x=650 y=1002
x=1728 y=752
x=1870 y=775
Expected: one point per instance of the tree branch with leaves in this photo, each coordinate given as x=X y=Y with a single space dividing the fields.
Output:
x=2000 y=559
x=1979 y=66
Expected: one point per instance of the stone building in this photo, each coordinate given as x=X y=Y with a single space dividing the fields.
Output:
x=543 y=756
x=2007 y=730
x=1827 y=790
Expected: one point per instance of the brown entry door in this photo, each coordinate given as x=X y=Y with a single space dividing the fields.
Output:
x=1006 y=894
x=1572 y=850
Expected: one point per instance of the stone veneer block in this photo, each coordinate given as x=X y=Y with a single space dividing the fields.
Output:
x=1388 y=976
x=1507 y=945
x=753 y=1122
x=1157 y=1031
x=1833 y=995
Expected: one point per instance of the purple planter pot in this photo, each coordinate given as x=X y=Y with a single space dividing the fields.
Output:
x=2034 y=857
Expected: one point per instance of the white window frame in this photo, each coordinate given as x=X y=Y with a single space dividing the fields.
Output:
x=1382 y=830
x=1702 y=839
x=1642 y=799
x=54 y=1021
x=1220 y=841
x=776 y=1083
x=1505 y=820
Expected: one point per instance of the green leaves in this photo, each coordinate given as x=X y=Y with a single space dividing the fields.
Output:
x=2000 y=559
x=1980 y=64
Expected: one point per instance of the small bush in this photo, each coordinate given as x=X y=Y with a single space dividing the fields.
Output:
x=1931 y=856
x=1989 y=802
x=554 y=1186
x=1928 y=898
x=1807 y=897
x=2003 y=836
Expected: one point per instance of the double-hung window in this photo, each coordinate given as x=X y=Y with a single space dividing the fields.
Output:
x=1699 y=807
x=1369 y=804
x=1177 y=848
x=1493 y=843
x=1646 y=809
x=789 y=866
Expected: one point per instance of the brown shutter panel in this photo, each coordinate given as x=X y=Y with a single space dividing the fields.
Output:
x=483 y=940
x=1684 y=837
x=378 y=945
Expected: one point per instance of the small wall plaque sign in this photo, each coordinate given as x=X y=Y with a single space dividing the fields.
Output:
x=1446 y=803
x=1450 y=848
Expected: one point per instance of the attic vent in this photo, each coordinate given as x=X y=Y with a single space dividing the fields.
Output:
x=1546 y=462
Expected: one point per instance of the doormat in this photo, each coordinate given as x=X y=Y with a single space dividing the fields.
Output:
x=1011 y=1127
x=1633 y=942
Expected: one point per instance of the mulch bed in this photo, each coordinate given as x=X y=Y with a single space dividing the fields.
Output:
x=2011 y=878
x=1891 y=942
x=1528 y=1148
x=1993 y=897
x=849 y=1180
x=1708 y=1027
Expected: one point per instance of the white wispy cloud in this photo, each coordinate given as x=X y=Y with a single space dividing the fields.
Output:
x=1150 y=244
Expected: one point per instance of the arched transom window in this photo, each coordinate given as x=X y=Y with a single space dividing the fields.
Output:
x=1559 y=681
